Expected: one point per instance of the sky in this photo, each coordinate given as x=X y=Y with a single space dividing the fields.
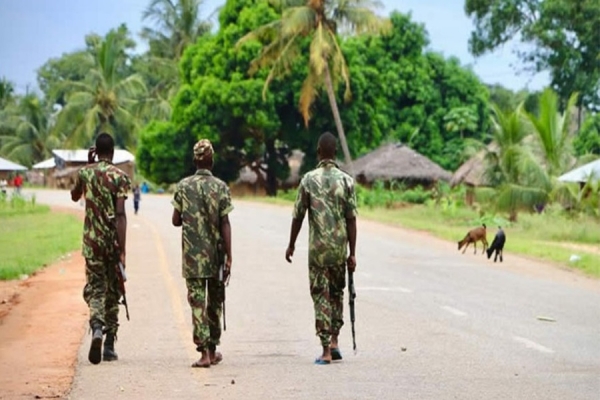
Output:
x=32 y=31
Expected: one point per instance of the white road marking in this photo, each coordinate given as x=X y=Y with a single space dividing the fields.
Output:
x=454 y=311
x=530 y=344
x=385 y=289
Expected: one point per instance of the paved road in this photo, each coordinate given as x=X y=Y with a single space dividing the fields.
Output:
x=432 y=323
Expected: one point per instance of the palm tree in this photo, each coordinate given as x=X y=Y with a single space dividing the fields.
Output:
x=511 y=165
x=178 y=24
x=318 y=20
x=461 y=119
x=27 y=131
x=552 y=133
x=6 y=93
x=106 y=100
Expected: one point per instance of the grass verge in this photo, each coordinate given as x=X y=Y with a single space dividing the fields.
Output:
x=34 y=239
x=550 y=237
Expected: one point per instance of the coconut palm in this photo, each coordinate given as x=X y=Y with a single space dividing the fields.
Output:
x=551 y=130
x=178 y=24
x=320 y=21
x=512 y=166
x=27 y=131
x=6 y=93
x=106 y=100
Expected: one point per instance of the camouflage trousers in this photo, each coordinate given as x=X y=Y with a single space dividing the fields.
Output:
x=101 y=294
x=205 y=296
x=327 y=291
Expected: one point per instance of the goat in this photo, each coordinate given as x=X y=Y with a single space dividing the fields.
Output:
x=497 y=245
x=474 y=236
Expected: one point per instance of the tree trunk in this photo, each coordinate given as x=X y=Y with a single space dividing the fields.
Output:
x=338 y=120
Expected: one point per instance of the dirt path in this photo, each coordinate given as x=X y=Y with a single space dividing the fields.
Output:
x=41 y=331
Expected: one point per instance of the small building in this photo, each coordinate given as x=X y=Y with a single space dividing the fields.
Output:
x=61 y=170
x=9 y=168
x=472 y=173
x=396 y=162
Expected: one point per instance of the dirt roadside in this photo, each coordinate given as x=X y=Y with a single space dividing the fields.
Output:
x=42 y=321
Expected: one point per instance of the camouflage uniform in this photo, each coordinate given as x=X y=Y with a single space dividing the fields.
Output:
x=202 y=200
x=102 y=183
x=327 y=193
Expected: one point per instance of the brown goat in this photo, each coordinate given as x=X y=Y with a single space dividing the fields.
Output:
x=474 y=236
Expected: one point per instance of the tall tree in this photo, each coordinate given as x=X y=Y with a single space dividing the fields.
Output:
x=563 y=36
x=7 y=91
x=27 y=135
x=552 y=132
x=107 y=99
x=511 y=165
x=318 y=21
x=177 y=24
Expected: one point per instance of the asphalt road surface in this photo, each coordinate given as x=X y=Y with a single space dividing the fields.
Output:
x=431 y=323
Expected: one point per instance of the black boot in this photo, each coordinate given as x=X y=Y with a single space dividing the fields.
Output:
x=95 y=354
x=109 y=348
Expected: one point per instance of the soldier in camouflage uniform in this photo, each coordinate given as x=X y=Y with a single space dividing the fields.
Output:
x=327 y=193
x=202 y=204
x=105 y=188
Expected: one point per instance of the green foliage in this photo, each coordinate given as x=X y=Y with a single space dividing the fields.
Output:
x=587 y=140
x=26 y=134
x=11 y=205
x=164 y=153
x=564 y=35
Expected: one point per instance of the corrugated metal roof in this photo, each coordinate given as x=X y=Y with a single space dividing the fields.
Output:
x=583 y=173
x=6 y=165
x=120 y=156
x=46 y=164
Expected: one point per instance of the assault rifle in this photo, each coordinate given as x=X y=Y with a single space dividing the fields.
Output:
x=224 y=278
x=352 y=296
x=122 y=279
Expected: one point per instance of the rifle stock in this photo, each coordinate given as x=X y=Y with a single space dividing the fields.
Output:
x=122 y=276
x=352 y=296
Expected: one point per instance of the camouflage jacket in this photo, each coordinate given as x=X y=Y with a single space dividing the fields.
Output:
x=102 y=183
x=327 y=193
x=202 y=200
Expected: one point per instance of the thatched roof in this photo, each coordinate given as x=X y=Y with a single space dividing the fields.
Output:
x=396 y=161
x=472 y=172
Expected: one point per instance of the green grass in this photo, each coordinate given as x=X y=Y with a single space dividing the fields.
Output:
x=542 y=236
x=34 y=239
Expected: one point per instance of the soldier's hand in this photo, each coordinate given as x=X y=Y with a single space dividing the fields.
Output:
x=351 y=263
x=122 y=259
x=91 y=155
x=289 y=253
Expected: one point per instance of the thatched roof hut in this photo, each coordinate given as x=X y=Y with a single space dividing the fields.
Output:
x=472 y=172
x=397 y=162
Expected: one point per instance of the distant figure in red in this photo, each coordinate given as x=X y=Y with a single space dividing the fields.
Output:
x=18 y=182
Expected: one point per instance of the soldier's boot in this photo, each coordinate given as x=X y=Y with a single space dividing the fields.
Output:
x=109 y=348
x=95 y=354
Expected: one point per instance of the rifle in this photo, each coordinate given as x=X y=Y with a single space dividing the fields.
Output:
x=224 y=278
x=352 y=296
x=122 y=279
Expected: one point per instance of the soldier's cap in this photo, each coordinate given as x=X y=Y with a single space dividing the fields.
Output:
x=202 y=150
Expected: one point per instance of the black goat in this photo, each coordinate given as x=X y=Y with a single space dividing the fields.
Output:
x=497 y=245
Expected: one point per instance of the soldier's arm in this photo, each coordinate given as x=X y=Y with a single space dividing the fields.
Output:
x=226 y=235
x=300 y=208
x=121 y=224
x=77 y=190
x=176 y=219
x=350 y=214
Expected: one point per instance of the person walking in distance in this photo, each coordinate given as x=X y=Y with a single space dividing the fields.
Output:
x=104 y=232
x=201 y=205
x=327 y=193
x=136 y=198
